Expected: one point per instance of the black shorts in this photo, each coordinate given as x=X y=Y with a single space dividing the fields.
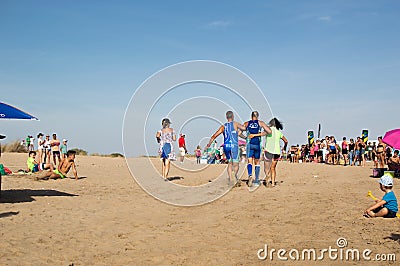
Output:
x=56 y=152
x=344 y=151
x=270 y=156
x=390 y=213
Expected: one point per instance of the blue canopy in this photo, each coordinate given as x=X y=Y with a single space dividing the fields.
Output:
x=11 y=112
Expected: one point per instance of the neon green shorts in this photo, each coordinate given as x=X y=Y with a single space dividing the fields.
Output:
x=58 y=173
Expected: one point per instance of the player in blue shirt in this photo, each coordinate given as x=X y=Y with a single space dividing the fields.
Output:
x=253 y=147
x=231 y=147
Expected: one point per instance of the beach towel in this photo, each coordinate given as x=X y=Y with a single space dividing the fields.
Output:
x=2 y=171
x=8 y=171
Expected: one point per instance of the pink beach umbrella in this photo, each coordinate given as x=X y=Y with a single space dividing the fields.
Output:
x=392 y=138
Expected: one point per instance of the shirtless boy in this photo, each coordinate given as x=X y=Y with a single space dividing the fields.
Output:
x=64 y=166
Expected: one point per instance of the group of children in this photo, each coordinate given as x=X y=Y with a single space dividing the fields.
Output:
x=40 y=161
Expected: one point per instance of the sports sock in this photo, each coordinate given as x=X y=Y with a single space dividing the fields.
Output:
x=257 y=170
x=249 y=168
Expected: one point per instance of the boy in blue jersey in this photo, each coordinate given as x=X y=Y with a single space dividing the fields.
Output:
x=231 y=147
x=387 y=206
x=253 y=147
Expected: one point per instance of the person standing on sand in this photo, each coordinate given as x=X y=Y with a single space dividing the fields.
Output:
x=273 y=149
x=380 y=152
x=31 y=148
x=197 y=152
x=231 y=146
x=63 y=149
x=47 y=149
x=55 y=148
x=357 y=152
x=28 y=143
x=345 y=152
x=253 y=147
x=40 y=147
x=165 y=137
x=332 y=150
x=352 y=147
x=360 y=145
x=318 y=151
x=182 y=147
x=370 y=148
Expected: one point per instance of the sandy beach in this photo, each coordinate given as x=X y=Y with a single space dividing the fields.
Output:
x=105 y=218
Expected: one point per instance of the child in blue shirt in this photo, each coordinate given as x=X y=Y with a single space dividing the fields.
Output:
x=63 y=149
x=387 y=206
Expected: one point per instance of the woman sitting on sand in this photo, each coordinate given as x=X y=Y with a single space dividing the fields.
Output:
x=165 y=137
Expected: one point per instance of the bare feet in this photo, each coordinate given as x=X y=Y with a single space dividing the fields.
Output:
x=369 y=214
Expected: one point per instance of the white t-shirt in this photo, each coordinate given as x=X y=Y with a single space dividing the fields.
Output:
x=46 y=144
x=40 y=146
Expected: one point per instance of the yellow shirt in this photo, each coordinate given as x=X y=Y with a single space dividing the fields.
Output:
x=272 y=141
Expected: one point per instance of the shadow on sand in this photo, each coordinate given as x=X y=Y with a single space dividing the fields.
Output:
x=172 y=178
x=79 y=177
x=394 y=237
x=7 y=214
x=26 y=195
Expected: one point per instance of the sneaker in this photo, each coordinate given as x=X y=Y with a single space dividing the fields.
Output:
x=249 y=181
x=254 y=186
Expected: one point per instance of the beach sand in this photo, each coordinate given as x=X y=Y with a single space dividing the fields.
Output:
x=105 y=218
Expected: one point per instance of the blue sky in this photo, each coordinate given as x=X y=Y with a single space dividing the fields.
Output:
x=76 y=64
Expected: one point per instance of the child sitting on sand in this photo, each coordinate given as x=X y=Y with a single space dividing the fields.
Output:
x=34 y=166
x=387 y=206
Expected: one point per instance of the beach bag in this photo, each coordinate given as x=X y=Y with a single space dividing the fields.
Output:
x=378 y=172
x=375 y=172
x=2 y=172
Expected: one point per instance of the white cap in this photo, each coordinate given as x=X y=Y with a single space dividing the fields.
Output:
x=386 y=180
x=65 y=140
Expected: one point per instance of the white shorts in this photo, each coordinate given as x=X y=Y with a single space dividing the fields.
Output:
x=182 y=151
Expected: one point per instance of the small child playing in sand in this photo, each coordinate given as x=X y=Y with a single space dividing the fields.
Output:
x=34 y=166
x=387 y=206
